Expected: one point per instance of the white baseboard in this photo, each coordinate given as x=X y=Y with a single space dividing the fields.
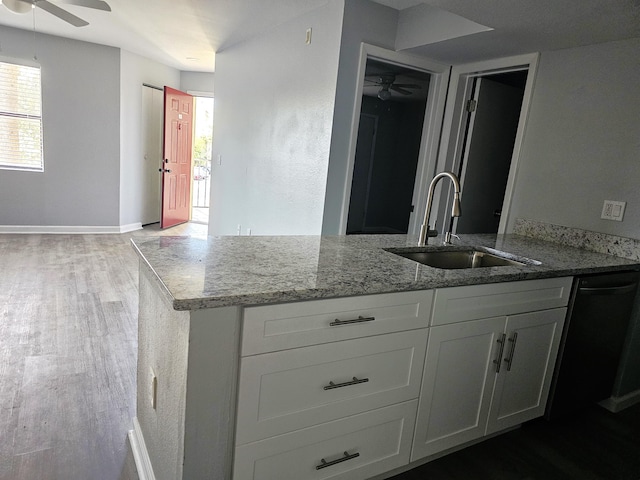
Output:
x=617 y=404
x=140 y=454
x=62 y=229
x=130 y=227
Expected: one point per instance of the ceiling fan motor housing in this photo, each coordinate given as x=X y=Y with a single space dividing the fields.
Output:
x=18 y=6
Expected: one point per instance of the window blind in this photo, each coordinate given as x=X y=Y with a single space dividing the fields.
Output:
x=20 y=117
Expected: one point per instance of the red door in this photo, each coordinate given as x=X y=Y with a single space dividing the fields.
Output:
x=176 y=176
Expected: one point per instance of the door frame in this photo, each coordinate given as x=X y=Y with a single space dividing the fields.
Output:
x=454 y=125
x=431 y=128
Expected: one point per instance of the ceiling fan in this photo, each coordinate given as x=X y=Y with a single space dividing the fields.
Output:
x=387 y=85
x=25 y=6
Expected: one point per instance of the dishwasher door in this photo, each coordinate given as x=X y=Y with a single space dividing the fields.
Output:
x=592 y=342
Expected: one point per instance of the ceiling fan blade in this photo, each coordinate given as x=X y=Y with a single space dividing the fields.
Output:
x=95 y=4
x=395 y=88
x=407 y=85
x=60 y=13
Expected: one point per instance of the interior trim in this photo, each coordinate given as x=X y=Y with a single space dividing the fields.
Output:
x=69 y=229
x=140 y=454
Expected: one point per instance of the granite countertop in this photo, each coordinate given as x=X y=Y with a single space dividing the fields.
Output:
x=223 y=271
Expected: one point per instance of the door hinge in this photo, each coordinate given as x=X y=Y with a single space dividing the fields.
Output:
x=472 y=105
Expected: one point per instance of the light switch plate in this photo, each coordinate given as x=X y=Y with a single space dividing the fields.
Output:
x=613 y=210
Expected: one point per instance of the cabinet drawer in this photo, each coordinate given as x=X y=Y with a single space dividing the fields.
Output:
x=285 y=391
x=279 y=327
x=458 y=304
x=375 y=442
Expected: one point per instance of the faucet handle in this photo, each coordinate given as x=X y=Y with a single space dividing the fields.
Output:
x=448 y=236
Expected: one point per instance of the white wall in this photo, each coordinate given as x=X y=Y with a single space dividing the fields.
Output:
x=273 y=118
x=81 y=110
x=196 y=82
x=582 y=142
x=367 y=22
x=136 y=70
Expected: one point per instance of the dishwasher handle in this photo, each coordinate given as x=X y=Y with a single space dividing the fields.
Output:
x=621 y=290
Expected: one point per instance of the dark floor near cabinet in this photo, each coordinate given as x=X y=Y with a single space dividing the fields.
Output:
x=595 y=445
x=68 y=349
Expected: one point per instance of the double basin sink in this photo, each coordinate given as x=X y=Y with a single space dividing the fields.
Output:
x=461 y=257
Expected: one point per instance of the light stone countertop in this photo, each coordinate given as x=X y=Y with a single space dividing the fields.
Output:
x=224 y=271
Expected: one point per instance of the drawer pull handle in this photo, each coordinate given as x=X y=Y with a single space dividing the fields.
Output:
x=498 y=360
x=360 y=319
x=509 y=360
x=355 y=381
x=325 y=464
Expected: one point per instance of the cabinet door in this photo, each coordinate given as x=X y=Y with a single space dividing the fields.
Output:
x=458 y=383
x=529 y=357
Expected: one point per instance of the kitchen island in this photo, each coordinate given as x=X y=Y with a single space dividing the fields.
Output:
x=216 y=312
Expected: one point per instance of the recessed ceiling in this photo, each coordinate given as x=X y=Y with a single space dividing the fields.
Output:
x=186 y=34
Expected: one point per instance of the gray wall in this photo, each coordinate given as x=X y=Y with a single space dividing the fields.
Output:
x=135 y=71
x=274 y=110
x=581 y=145
x=81 y=111
x=367 y=22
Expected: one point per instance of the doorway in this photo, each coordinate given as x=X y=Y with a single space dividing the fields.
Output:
x=394 y=100
x=399 y=100
x=202 y=141
x=492 y=123
x=487 y=183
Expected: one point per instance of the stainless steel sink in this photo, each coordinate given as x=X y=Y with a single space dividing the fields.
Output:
x=451 y=259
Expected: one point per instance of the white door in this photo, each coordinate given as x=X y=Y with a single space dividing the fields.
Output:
x=529 y=357
x=458 y=383
x=487 y=155
x=152 y=101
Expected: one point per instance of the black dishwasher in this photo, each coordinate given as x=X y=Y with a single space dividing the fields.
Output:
x=592 y=341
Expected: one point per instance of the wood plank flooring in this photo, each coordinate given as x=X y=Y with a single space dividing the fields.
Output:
x=68 y=352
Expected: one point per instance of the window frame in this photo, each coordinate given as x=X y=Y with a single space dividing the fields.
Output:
x=15 y=166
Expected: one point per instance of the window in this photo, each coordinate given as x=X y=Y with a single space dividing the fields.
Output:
x=20 y=117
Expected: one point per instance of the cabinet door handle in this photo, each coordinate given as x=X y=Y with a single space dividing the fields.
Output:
x=355 y=381
x=509 y=358
x=498 y=359
x=344 y=458
x=360 y=319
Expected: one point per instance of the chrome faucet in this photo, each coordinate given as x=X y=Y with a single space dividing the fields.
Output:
x=455 y=210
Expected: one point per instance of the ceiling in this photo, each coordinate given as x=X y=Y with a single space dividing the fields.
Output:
x=186 y=34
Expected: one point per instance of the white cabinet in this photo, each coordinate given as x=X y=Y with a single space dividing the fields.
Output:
x=351 y=388
x=354 y=448
x=292 y=389
x=522 y=386
x=268 y=328
x=458 y=382
x=329 y=388
x=485 y=375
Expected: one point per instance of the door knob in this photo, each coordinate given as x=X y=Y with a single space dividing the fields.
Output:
x=165 y=170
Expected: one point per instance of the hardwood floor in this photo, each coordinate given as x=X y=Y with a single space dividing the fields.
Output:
x=68 y=352
x=595 y=445
x=68 y=348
